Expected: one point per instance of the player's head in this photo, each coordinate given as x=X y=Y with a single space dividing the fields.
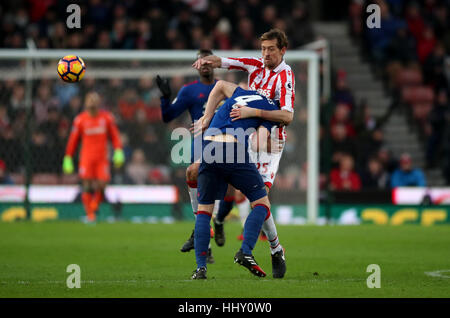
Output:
x=205 y=70
x=273 y=46
x=92 y=101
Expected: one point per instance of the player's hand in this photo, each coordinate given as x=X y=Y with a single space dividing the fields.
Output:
x=200 y=125
x=67 y=165
x=201 y=61
x=118 y=158
x=241 y=112
x=164 y=86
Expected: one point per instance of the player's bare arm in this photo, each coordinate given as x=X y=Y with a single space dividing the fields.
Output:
x=221 y=90
x=213 y=60
x=280 y=116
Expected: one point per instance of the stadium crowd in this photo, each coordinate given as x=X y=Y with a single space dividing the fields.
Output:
x=359 y=159
x=409 y=53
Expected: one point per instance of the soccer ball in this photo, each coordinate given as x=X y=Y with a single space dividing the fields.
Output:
x=71 y=68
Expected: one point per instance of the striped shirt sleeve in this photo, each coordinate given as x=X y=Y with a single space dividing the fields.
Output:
x=246 y=64
x=285 y=90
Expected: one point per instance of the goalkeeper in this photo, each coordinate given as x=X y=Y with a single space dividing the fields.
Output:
x=93 y=127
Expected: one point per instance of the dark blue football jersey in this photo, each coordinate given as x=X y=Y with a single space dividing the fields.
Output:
x=222 y=121
x=191 y=97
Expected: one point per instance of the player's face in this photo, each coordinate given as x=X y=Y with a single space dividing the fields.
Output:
x=92 y=102
x=271 y=54
x=205 y=70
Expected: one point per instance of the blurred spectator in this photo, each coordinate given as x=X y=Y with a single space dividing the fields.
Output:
x=433 y=68
x=11 y=150
x=345 y=178
x=74 y=108
x=138 y=168
x=129 y=104
x=42 y=154
x=374 y=176
x=43 y=102
x=406 y=175
x=17 y=100
x=425 y=43
x=342 y=116
x=380 y=38
x=342 y=93
x=300 y=29
x=340 y=143
x=5 y=179
x=402 y=48
x=438 y=120
x=4 y=118
x=389 y=163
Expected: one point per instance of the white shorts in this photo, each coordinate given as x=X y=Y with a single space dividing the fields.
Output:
x=266 y=163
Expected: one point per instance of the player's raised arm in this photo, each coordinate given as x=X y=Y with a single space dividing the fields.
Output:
x=221 y=90
x=213 y=60
x=170 y=111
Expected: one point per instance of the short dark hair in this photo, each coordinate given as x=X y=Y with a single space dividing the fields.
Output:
x=204 y=52
x=277 y=34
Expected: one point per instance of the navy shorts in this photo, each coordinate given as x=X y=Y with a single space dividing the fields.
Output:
x=213 y=180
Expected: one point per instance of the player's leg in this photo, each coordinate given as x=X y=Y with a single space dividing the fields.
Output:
x=102 y=177
x=191 y=180
x=246 y=178
x=99 y=195
x=87 y=175
x=225 y=206
x=86 y=197
x=268 y=170
x=210 y=186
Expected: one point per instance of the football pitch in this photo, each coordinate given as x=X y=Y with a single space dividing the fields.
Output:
x=143 y=260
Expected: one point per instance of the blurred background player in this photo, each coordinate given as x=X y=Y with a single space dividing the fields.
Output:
x=94 y=127
x=192 y=97
x=273 y=78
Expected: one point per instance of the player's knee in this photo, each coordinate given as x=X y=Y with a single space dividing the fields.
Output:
x=231 y=191
x=87 y=186
x=192 y=172
x=263 y=201
x=239 y=196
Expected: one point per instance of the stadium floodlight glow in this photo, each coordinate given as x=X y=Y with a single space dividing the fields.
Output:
x=188 y=56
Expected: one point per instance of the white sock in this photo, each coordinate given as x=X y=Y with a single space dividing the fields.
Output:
x=216 y=207
x=270 y=230
x=244 y=210
x=194 y=200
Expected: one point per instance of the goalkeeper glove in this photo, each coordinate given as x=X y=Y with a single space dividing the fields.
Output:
x=67 y=164
x=164 y=86
x=118 y=158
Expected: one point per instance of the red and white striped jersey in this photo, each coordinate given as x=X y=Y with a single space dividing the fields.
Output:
x=277 y=84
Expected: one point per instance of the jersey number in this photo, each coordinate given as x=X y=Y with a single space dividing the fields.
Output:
x=262 y=167
x=243 y=100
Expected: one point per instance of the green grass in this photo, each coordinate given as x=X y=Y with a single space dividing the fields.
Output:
x=143 y=260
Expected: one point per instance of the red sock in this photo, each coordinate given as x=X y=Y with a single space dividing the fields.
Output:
x=96 y=200
x=86 y=198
